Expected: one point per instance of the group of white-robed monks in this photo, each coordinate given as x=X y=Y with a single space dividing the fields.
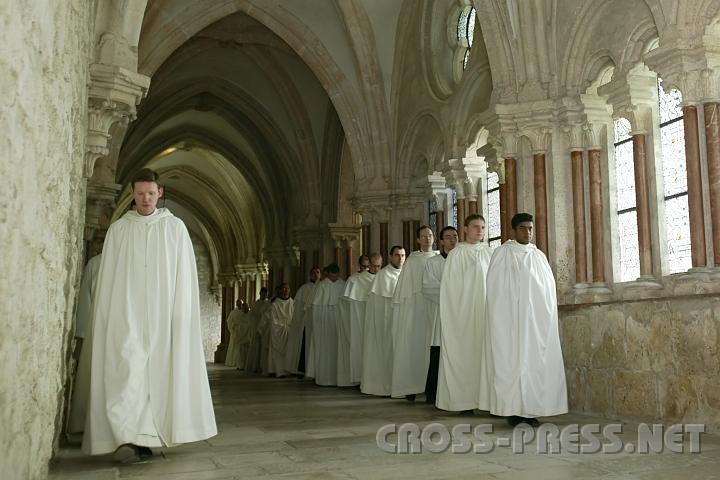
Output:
x=469 y=327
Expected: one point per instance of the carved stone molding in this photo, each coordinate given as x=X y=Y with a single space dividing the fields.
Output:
x=113 y=96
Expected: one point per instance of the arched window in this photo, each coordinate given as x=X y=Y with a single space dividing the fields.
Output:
x=677 y=217
x=466 y=32
x=493 y=199
x=626 y=207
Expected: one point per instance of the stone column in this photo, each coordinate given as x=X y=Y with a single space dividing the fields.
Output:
x=349 y=260
x=366 y=235
x=227 y=281
x=641 y=201
x=384 y=240
x=694 y=179
x=407 y=235
x=712 y=142
x=597 y=231
x=460 y=212
x=510 y=193
x=338 y=254
x=540 y=185
x=316 y=258
x=578 y=186
x=472 y=206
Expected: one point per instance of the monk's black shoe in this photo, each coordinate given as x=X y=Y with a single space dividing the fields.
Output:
x=410 y=398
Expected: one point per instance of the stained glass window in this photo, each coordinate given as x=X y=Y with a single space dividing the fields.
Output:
x=454 y=209
x=493 y=196
x=672 y=140
x=432 y=220
x=626 y=207
x=466 y=31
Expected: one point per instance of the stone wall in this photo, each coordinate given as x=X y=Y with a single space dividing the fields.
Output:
x=210 y=311
x=44 y=58
x=652 y=358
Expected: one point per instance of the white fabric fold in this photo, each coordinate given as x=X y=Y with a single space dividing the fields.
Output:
x=149 y=384
x=410 y=320
x=462 y=313
x=326 y=314
x=523 y=372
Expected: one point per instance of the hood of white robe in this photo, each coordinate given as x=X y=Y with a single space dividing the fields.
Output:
x=358 y=286
x=410 y=280
x=385 y=281
x=158 y=214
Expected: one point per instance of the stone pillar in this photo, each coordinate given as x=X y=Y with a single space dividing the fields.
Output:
x=540 y=185
x=712 y=142
x=461 y=214
x=694 y=180
x=227 y=281
x=413 y=229
x=252 y=290
x=349 y=260
x=510 y=193
x=472 y=206
x=578 y=187
x=440 y=221
x=597 y=231
x=641 y=201
x=338 y=254
x=316 y=258
x=384 y=239
x=407 y=235
x=366 y=235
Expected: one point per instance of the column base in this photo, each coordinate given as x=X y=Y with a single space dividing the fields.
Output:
x=221 y=353
x=644 y=281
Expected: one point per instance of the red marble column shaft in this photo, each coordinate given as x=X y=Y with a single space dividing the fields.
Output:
x=366 y=239
x=641 y=201
x=510 y=193
x=253 y=294
x=503 y=214
x=712 y=141
x=578 y=189
x=440 y=221
x=461 y=218
x=540 y=184
x=384 y=241
x=597 y=232
x=472 y=207
x=694 y=179
x=349 y=261
x=338 y=255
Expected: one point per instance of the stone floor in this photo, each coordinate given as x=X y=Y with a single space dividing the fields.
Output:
x=286 y=428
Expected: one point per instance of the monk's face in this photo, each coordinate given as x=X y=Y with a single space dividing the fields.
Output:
x=375 y=264
x=398 y=257
x=425 y=239
x=314 y=274
x=285 y=291
x=448 y=240
x=475 y=231
x=524 y=232
x=364 y=263
x=146 y=196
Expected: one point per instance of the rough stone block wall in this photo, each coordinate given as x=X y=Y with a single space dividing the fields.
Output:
x=653 y=359
x=210 y=311
x=44 y=58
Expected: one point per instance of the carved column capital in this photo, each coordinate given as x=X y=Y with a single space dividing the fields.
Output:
x=113 y=95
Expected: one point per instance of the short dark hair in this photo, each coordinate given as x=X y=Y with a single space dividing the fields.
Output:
x=395 y=247
x=472 y=218
x=420 y=229
x=360 y=258
x=145 y=175
x=517 y=219
x=442 y=232
x=333 y=268
x=315 y=267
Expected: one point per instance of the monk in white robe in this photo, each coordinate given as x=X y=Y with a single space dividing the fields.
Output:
x=83 y=329
x=377 y=338
x=300 y=326
x=325 y=317
x=352 y=319
x=149 y=385
x=238 y=326
x=411 y=350
x=432 y=278
x=523 y=372
x=262 y=308
x=280 y=313
x=253 y=364
x=462 y=313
